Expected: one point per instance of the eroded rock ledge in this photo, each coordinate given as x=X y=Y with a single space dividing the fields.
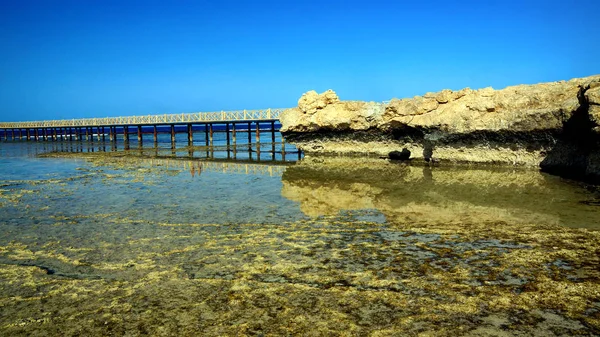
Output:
x=555 y=126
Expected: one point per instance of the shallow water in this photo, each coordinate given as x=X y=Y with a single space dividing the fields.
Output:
x=149 y=242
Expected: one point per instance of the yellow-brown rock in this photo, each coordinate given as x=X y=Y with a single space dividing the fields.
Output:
x=517 y=125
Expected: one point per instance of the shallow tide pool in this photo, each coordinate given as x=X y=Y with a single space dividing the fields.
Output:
x=131 y=243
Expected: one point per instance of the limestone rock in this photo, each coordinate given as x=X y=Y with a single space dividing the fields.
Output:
x=593 y=97
x=551 y=125
x=311 y=102
x=326 y=111
x=521 y=108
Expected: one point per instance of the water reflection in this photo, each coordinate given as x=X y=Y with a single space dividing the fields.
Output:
x=128 y=244
x=430 y=195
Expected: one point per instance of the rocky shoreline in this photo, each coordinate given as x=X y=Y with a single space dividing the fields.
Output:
x=554 y=126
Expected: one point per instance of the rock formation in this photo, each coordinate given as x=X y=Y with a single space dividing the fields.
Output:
x=553 y=125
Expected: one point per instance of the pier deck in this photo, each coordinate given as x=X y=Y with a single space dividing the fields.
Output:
x=256 y=121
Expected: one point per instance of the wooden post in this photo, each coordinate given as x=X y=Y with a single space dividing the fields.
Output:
x=13 y=134
x=87 y=133
x=36 y=135
x=249 y=134
x=28 y=132
x=190 y=135
x=55 y=134
x=111 y=134
x=206 y=135
x=103 y=136
x=64 y=137
x=273 y=132
x=20 y=134
x=98 y=133
x=126 y=134
x=155 y=135
x=257 y=133
x=233 y=135
x=273 y=138
x=227 y=135
x=210 y=133
x=172 y=136
x=139 y=134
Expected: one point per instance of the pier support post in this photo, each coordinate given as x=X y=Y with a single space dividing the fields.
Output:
x=227 y=135
x=273 y=138
x=233 y=135
x=172 y=136
x=155 y=136
x=103 y=135
x=54 y=134
x=111 y=134
x=28 y=132
x=36 y=135
x=206 y=134
x=64 y=137
x=210 y=134
x=273 y=132
x=257 y=133
x=87 y=133
x=20 y=134
x=190 y=135
x=126 y=135
x=98 y=133
x=139 y=134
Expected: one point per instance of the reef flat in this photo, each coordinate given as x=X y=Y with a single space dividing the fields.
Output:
x=119 y=262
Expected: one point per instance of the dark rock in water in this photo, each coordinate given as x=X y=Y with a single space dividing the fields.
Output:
x=399 y=155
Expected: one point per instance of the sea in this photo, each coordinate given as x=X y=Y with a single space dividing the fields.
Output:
x=101 y=238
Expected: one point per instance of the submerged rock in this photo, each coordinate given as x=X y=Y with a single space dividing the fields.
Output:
x=399 y=155
x=554 y=125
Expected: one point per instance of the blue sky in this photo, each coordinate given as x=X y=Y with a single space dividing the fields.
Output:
x=86 y=58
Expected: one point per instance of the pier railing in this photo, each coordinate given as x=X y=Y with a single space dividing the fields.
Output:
x=182 y=118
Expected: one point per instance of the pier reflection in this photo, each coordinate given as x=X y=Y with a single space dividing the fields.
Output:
x=437 y=195
x=265 y=152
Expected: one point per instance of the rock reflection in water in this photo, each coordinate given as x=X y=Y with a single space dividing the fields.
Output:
x=431 y=195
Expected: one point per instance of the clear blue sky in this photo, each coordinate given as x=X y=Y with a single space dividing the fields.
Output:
x=86 y=58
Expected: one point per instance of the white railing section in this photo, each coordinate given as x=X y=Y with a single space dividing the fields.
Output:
x=196 y=117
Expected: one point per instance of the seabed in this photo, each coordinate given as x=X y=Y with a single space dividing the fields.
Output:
x=121 y=248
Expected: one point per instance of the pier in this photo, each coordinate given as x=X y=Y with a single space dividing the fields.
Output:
x=248 y=122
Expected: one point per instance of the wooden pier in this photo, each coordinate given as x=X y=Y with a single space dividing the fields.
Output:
x=112 y=128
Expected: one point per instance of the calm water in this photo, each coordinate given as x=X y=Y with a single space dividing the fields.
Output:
x=192 y=242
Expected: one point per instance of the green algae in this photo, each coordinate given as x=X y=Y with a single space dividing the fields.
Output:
x=308 y=277
x=89 y=270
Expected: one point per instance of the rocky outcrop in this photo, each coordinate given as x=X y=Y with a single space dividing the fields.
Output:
x=553 y=125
